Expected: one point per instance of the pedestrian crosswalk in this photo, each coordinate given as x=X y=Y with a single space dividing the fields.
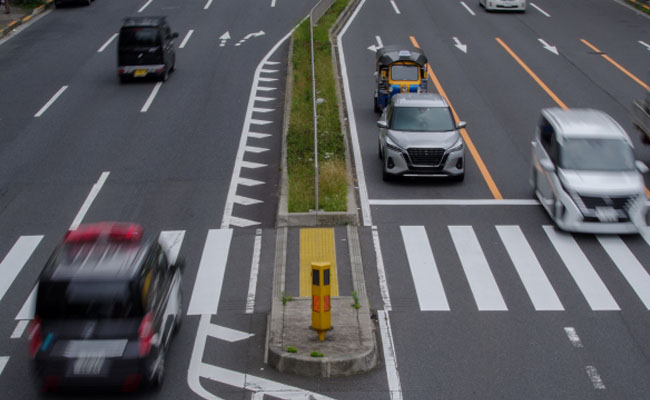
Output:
x=531 y=264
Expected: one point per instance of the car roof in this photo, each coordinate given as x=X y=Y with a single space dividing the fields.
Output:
x=419 y=100
x=584 y=123
x=143 y=21
x=96 y=258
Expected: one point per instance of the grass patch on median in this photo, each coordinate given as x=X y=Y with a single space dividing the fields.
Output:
x=300 y=136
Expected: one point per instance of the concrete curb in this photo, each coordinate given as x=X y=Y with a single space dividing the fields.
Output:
x=16 y=23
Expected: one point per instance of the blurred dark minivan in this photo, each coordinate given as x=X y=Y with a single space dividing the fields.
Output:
x=145 y=48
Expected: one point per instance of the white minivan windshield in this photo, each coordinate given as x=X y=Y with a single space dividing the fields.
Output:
x=593 y=154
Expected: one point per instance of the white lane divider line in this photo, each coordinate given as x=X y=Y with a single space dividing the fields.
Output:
x=16 y=259
x=3 y=363
x=108 y=42
x=186 y=38
x=268 y=79
x=479 y=275
x=145 y=6
x=89 y=200
x=263 y=110
x=583 y=273
x=207 y=5
x=390 y=357
x=258 y=135
x=573 y=336
x=51 y=101
x=467 y=8
x=540 y=10
x=209 y=278
x=381 y=271
x=428 y=285
x=595 y=378
x=268 y=71
x=255 y=269
x=264 y=99
x=172 y=242
x=265 y=89
x=273 y=3
x=644 y=44
x=530 y=272
x=252 y=165
x=256 y=150
x=249 y=182
x=260 y=122
x=152 y=96
x=629 y=266
x=392 y=2
x=246 y=201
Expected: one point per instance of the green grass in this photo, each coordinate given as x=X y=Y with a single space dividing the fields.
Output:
x=300 y=135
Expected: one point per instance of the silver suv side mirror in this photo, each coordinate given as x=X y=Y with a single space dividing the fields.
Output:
x=382 y=124
x=641 y=167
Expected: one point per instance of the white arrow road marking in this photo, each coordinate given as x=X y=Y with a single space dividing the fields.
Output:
x=647 y=46
x=379 y=45
x=258 y=135
x=107 y=43
x=187 y=37
x=548 y=47
x=467 y=8
x=249 y=182
x=255 y=34
x=459 y=45
x=51 y=101
x=242 y=222
x=224 y=38
x=152 y=96
x=252 y=165
x=540 y=10
x=245 y=201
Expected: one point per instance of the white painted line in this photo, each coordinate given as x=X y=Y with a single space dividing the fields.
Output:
x=356 y=148
x=260 y=98
x=265 y=89
x=273 y=3
x=16 y=259
x=272 y=62
x=107 y=43
x=268 y=71
x=390 y=357
x=152 y=96
x=171 y=242
x=530 y=272
x=259 y=122
x=644 y=44
x=227 y=334
x=245 y=201
x=573 y=336
x=268 y=79
x=583 y=273
x=255 y=269
x=252 y=165
x=256 y=150
x=145 y=6
x=540 y=10
x=426 y=278
x=381 y=271
x=594 y=377
x=467 y=8
x=263 y=110
x=207 y=5
x=249 y=182
x=27 y=310
x=89 y=200
x=629 y=266
x=453 y=202
x=187 y=37
x=258 y=135
x=20 y=329
x=479 y=275
x=242 y=222
x=209 y=278
x=51 y=101
x=392 y=2
x=3 y=362
x=380 y=44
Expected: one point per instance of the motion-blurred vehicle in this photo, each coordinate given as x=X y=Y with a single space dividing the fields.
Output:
x=107 y=304
x=513 y=5
x=418 y=136
x=641 y=113
x=145 y=48
x=399 y=70
x=584 y=172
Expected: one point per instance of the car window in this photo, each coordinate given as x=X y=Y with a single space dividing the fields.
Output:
x=404 y=72
x=596 y=155
x=139 y=36
x=422 y=119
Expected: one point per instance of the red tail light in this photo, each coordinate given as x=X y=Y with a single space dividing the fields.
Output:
x=114 y=230
x=35 y=336
x=145 y=334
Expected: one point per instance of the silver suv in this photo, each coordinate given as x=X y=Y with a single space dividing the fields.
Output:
x=584 y=172
x=419 y=136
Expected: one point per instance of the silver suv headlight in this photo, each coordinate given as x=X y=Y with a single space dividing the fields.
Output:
x=391 y=145
x=458 y=146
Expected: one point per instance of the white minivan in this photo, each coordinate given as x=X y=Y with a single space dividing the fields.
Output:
x=584 y=172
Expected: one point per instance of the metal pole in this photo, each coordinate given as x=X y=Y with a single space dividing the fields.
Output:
x=313 y=88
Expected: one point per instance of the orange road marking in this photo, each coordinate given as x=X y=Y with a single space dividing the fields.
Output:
x=617 y=65
x=463 y=132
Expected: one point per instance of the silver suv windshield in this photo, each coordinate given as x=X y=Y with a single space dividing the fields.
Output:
x=596 y=155
x=422 y=119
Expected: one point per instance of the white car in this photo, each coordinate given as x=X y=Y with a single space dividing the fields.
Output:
x=584 y=173
x=515 y=5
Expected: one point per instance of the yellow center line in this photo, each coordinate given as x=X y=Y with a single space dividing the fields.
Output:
x=617 y=65
x=532 y=74
x=317 y=245
x=463 y=132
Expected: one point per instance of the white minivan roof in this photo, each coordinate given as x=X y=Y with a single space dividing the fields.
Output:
x=584 y=123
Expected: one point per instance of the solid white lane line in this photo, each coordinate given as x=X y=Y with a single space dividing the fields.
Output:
x=530 y=272
x=187 y=37
x=453 y=202
x=595 y=378
x=145 y=6
x=107 y=43
x=51 y=101
x=392 y=2
x=390 y=358
x=428 y=285
x=540 y=10
x=152 y=96
x=479 y=275
x=20 y=329
x=209 y=278
x=171 y=242
x=89 y=200
x=16 y=259
x=583 y=273
x=573 y=336
x=207 y=5
x=381 y=271
x=629 y=266
x=3 y=363
x=467 y=8
x=255 y=269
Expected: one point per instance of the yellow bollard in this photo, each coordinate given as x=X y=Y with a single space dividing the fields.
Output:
x=321 y=320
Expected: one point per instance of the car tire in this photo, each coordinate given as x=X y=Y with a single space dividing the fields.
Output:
x=165 y=75
x=377 y=109
x=380 y=153
x=386 y=176
x=158 y=375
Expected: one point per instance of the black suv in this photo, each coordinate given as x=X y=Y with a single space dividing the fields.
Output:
x=145 y=48
x=107 y=304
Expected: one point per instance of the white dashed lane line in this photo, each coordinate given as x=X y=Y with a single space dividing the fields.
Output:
x=145 y=6
x=152 y=96
x=540 y=10
x=108 y=42
x=187 y=37
x=467 y=8
x=51 y=101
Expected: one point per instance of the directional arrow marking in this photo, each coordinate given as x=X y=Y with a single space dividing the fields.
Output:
x=224 y=38
x=548 y=47
x=379 y=45
x=460 y=46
